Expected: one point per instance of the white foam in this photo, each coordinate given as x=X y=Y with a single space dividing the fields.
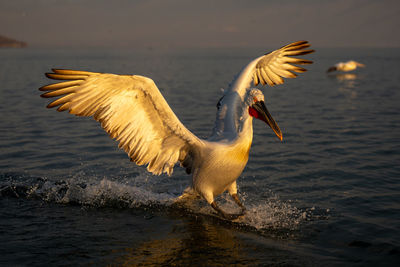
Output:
x=107 y=193
x=270 y=213
x=273 y=214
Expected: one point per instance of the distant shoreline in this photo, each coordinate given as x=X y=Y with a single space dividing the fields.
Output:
x=6 y=42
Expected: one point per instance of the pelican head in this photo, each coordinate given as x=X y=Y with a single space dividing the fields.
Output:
x=258 y=109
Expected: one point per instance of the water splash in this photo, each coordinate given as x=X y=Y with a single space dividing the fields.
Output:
x=110 y=193
x=268 y=214
x=274 y=214
x=96 y=193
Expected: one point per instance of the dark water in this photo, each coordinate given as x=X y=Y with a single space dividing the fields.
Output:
x=327 y=195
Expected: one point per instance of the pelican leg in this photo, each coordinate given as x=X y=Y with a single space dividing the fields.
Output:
x=232 y=189
x=237 y=201
x=224 y=214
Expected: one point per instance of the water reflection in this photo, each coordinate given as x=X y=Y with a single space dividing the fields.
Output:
x=195 y=241
x=341 y=77
x=348 y=83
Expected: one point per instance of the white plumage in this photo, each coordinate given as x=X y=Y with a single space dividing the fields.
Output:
x=134 y=112
x=345 y=66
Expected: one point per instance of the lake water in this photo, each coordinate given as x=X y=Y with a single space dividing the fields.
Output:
x=328 y=195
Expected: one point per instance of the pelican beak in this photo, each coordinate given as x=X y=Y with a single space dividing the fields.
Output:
x=264 y=115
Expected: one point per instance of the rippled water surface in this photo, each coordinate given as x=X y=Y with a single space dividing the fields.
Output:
x=327 y=195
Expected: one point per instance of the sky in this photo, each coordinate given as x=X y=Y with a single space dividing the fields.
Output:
x=202 y=23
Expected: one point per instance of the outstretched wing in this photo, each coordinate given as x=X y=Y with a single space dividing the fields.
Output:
x=268 y=69
x=272 y=67
x=132 y=110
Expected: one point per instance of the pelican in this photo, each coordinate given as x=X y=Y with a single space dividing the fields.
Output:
x=131 y=109
x=345 y=66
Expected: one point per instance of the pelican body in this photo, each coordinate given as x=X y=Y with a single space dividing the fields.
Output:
x=345 y=66
x=131 y=109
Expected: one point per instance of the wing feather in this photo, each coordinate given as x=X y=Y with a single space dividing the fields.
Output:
x=131 y=110
x=276 y=64
x=266 y=77
x=269 y=69
x=261 y=77
x=61 y=100
x=255 y=78
x=57 y=76
x=275 y=78
x=282 y=72
x=63 y=107
x=55 y=86
x=60 y=92
x=296 y=45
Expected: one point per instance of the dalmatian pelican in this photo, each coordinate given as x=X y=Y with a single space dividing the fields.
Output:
x=131 y=109
x=346 y=66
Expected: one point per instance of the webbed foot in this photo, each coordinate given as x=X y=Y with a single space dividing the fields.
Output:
x=227 y=215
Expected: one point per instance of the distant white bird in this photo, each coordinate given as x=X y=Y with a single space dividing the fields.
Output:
x=345 y=66
x=133 y=111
